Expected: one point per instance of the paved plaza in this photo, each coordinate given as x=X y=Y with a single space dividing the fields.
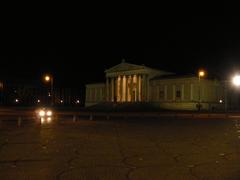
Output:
x=119 y=148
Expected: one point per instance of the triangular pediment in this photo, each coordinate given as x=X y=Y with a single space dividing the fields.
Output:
x=124 y=67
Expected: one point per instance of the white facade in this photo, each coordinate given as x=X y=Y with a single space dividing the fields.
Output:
x=137 y=83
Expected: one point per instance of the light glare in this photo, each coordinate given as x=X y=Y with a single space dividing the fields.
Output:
x=201 y=73
x=49 y=113
x=41 y=113
x=47 y=78
x=49 y=119
x=236 y=80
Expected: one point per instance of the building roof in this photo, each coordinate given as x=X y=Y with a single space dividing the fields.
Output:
x=174 y=76
x=123 y=66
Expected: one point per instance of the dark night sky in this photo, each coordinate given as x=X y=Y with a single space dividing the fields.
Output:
x=78 y=55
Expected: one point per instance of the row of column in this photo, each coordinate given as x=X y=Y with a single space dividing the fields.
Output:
x=127 y=88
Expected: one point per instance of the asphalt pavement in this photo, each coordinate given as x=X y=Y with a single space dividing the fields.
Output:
x=138 y=148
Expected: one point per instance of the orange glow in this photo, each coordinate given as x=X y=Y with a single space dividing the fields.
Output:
x=47 y=78
x=201 y=73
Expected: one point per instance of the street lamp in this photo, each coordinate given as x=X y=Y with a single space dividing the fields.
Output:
x=201 y=73
x=49 y=78
x=236 y=82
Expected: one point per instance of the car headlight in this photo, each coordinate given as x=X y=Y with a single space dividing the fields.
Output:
x=49 y=113
x=41 y=113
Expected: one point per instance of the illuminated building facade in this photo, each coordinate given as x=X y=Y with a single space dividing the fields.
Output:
x=131 y=83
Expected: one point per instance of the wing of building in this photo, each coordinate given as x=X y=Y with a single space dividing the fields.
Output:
x=131 y=83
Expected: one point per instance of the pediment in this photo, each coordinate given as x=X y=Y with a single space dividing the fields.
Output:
x=124 y=67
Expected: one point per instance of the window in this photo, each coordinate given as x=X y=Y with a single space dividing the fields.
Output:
x=178 y=94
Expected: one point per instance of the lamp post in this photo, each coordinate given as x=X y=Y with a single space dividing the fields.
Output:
x=225 y=85
x=236 y=82
x=201 y=73
x=49 y=78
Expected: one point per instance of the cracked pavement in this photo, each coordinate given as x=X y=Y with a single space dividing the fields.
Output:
x=130 y=149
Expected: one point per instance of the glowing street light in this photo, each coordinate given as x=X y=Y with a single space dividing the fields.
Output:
x=201 y=73
x=49 y=78
x=236 y=80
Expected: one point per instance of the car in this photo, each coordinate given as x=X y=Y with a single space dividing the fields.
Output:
x=44 y=114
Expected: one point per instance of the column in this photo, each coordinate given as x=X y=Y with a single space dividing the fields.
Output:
x=144 y=88
x=137 y=87
x=140 y=88
x=121 y=88
x=131 y=88
x=107 y=89
x=126 y=88
x=112 y=89
x=116 y=94
x=147 y=88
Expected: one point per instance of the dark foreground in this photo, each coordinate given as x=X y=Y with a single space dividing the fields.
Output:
x=139 y=148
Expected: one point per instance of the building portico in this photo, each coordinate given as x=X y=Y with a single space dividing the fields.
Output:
x=129 y=82
x=126 y=88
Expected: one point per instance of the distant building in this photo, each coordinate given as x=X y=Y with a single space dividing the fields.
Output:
x=131 y=83
x=33 y=94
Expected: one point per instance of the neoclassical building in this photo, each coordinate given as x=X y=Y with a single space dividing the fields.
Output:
x=131 y=83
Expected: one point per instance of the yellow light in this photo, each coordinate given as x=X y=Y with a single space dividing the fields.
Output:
x=49 y=113
x=42 y=120
x=201 y=73
x=41 y=113
x=38 y=101
x=47 y=78
x=49 y=119
x=236 y=80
